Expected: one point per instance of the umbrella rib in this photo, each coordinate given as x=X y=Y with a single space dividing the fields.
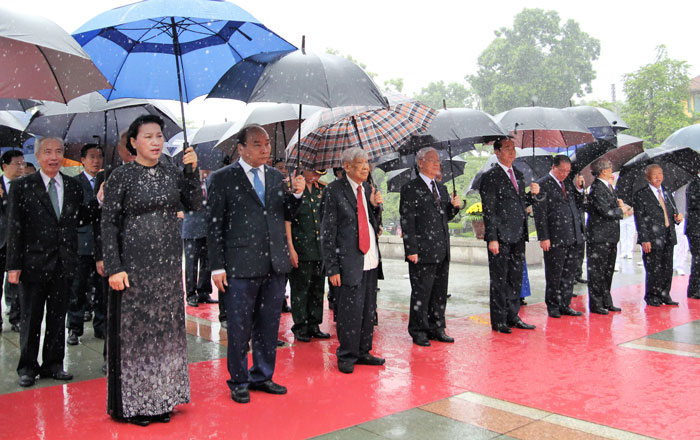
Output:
x=58 y=85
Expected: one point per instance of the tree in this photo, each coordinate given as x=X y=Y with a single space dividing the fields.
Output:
x=655 y=94
x=454 y=93
x=537 y=60
x=393 y=85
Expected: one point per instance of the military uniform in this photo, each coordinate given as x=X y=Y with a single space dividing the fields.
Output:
x=307 y=280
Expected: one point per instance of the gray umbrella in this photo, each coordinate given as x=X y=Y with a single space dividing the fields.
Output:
x=685 y=137
x=19 y=105
x=42 y=61
x=12 y=132
x=532 y=168
x=601 y=122
x=396 y=178
x=544 y=127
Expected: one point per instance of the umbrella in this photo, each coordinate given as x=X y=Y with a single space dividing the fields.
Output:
x=628 y=147
x=397 y=178
x=300 y=78
x=16 y=104
x=90 y=118
x=532 y=167
x=544 y=127
x=42 y=61
x=601 y=122
x=685 y=137
x=173 y=49
x=174 y=145
x=680 y=165
x=12 y=129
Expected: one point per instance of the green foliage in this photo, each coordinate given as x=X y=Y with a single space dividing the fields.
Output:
x=655 y=94
x=455 y=94
x=539 y=60
x=393 y=85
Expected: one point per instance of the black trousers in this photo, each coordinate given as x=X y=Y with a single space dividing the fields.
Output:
x=580 y=256
x=10 y=290
x=428 y=297
x=306 y=282
x=506 y=273
x=659 y=268
x=355 y=321
x=197 y=272
x=34 y=297
x=601 y=266
x=86 y=282
x=560 y=263
x=694 y=280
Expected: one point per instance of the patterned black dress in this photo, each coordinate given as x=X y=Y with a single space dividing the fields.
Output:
x=147 y=372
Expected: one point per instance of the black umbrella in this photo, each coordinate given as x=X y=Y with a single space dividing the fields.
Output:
x=17 y=104
x=680 y=165
x=627 y=148
x=532 y=167
x=396 y=178
x=587 y=153
x=12 y=130
x=601 y=122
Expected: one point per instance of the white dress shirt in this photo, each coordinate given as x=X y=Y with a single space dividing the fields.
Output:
x=505 y=168
x=59 y=187
x=90 y=179
x=428 y=181
x=8 y=182
x=372 y=255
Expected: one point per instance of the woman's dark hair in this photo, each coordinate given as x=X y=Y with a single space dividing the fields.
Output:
x=133 y=130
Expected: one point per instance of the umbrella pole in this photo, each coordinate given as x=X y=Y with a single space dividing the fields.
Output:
x=299 y=142
x=449 y=151
x=176 y=47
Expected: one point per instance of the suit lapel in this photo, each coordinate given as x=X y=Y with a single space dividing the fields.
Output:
x=268 y=184
x=350 y=194
x=42 y=194
x=246 y=183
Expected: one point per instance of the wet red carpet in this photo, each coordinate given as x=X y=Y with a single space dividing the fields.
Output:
x=570 y=366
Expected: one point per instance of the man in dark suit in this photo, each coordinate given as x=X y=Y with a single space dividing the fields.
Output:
x=425 y=208
x=12 y=168
x=655 y=216
x=349 y=237
x=605 y=211
x=692 y=231
x=560 y=231
x=249 y=257
x=504 y=203
x=45 y=211
x=88 y=280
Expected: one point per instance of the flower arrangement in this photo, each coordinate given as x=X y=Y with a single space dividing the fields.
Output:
x=474 y=212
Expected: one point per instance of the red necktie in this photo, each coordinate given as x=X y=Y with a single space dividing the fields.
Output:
x=563 y=188
x=362 y=224
x=512 y=179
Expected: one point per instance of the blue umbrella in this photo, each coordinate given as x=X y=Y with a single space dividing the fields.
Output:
x=173 y=49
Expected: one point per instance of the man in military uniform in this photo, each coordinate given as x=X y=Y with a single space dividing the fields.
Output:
x=306 y=278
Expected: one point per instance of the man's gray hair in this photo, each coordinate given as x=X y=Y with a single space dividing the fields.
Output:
x=41 y=140
x=351 y=154
x=599 y=165
x=424 y=152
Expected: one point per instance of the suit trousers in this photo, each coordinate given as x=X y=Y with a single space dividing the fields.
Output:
x=659 y=269
x=11 y=292
x=506 y=274
x=86 y=282
x=197 y=272
x=580 y=256
x=559 y=271
x=428 y=297
x=601 y=266
x=694 y=279
x=355 y=322
x=253 y=307
x=306 y=283
x=34 y=297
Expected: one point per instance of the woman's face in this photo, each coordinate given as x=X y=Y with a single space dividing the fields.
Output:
x=149 y=142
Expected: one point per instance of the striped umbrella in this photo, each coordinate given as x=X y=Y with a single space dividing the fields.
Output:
x=379 y=131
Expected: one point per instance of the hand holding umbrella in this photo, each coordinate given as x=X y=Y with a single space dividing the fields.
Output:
x=298 y=184
x=190 y=158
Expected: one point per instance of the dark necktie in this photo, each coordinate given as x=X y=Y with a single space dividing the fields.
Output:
x=563 y=188
x=436 y=195
x=362 y=224
x=512 y=179
x=53 y=195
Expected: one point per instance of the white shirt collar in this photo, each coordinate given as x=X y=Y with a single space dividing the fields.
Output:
x=6 y=180
x=655 y=190
x=353 y=185
x=89 y=177
x=555 y=178
x=247 y=167
x=505 y=168
x=47 y=179
x=428 y=181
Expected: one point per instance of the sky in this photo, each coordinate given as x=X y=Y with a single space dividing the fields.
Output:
x=437 y=40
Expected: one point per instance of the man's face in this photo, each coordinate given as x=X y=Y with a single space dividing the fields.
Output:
x=50 y=156
x=92 y=162
x=606 y=174
x=357 y=170
x=656 y=177
x=506 y=154
x=14 y=169
x=124 y=153
x=562 y=171
x=279 y=166
x=256 y=150
x=29 y=170
x=311 y=176
x=430 y=165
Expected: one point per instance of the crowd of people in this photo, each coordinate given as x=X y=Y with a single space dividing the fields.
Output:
x=110 y=242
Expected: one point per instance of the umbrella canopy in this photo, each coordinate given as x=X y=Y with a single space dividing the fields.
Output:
x=601 y=122
x=628 y=147
x=15 y=104
x=680 y=165
x=544 y=127
x=12 y=133
x=583 y=155
x=397 y=178
x=532 y=168
x=685 y=137
x=42 y=61
x=174 y=145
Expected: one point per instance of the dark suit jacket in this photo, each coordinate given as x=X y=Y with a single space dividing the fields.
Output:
x=86 y=236
x=101 y=177
x=194 y=225
x=692 y=207
x=424 y=226
x=649 y=217
x=3 y=214
x=244 y=237
x=604 y=214
x=37 y=241
x=505 y=216
x=557 y=218
x=340 y=234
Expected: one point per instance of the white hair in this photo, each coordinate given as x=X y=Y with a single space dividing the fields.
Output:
x=420 y=156
x=351 y=154
x=41 y=140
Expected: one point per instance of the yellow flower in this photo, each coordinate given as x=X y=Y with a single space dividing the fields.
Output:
x=475 y=209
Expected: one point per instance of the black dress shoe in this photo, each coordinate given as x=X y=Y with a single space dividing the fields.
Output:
x=161 y=418
x=422 y=341
x=58 y=375
x=138 y=420
x=581 y=280
x=192 y=302
x=600 y=311
x=269 y=387
x=346 y=367
x=523 y=302
x=570 y=312
x=72 y=338
x=614 y=309
x=207 y=300
x=301 y=337
x=285 y=307
x=501 y=328
x=26 y=380
x=368 y=359
x=694 y=296
x=15 y=328
x=317 y=333
x=99 y=335
x=554 y=314
x=240 y=395
x=521 y=325
x=280 y=343
x=441 y=336
x=653 y=303
x=669 y=302
x=87 y=316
